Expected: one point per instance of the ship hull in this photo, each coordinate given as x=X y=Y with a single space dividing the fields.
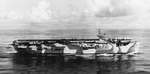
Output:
x=107 y=50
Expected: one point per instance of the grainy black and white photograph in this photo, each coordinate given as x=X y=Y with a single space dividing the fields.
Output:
x=74 y=37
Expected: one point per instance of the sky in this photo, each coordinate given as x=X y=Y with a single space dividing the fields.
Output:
x=72 y=14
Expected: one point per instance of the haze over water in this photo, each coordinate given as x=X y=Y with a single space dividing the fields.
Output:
x=11 y=63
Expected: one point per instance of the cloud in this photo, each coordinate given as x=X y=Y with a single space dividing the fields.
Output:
x=117 y=8
x=11 y=15
x=70 y=14
x=41 y=12
x=120 y=13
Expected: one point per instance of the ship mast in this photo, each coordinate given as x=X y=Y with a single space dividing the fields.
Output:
x=100 y=35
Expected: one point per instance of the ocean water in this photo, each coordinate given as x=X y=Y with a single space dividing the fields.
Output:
x=12 y=63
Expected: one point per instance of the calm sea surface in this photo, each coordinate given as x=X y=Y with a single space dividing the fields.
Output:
x=11 y=63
